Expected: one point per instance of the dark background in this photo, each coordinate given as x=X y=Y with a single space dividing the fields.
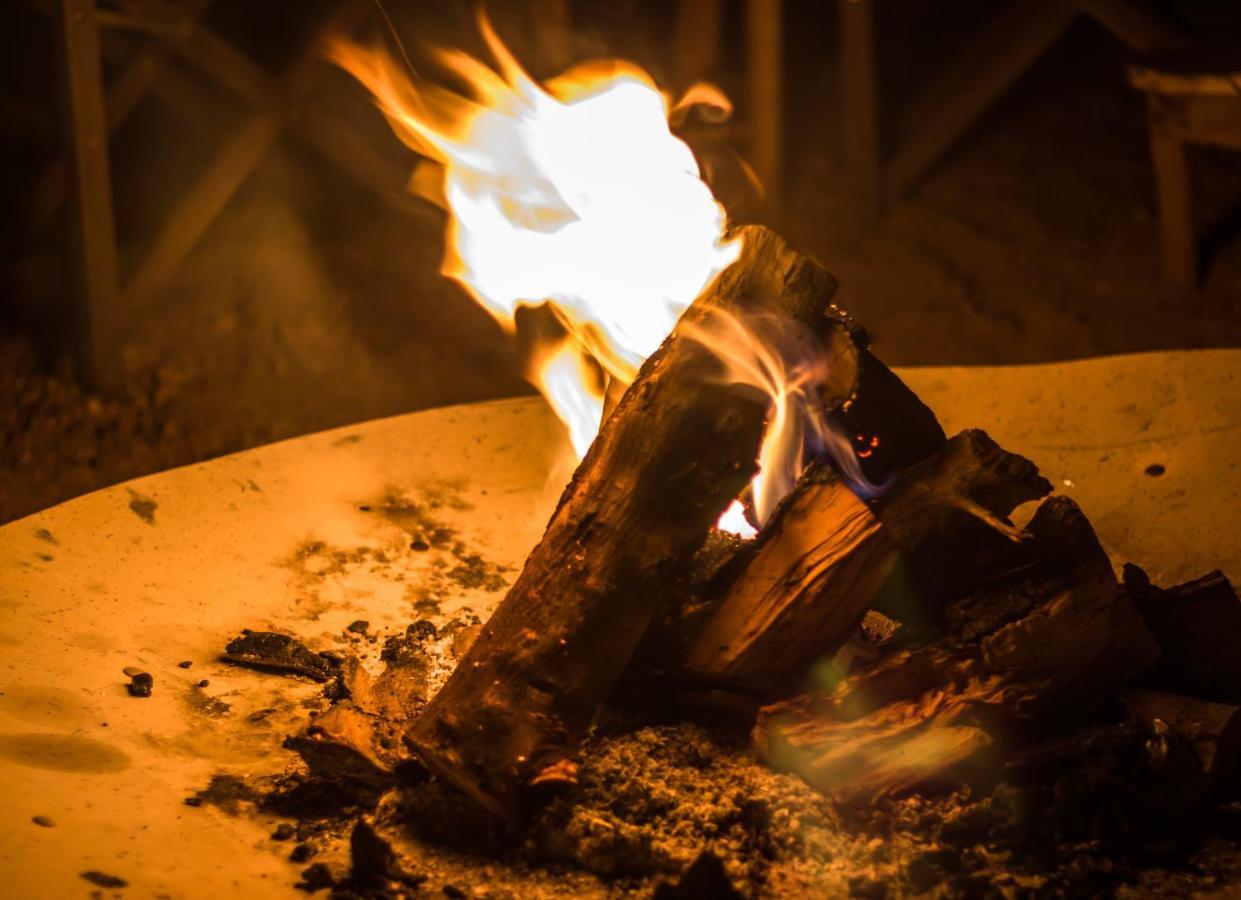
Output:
x=311 y=303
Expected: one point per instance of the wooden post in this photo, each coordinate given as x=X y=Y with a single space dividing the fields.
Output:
x=142 y=70
x=553 y=20
x=1176 y=222
x=765 y=76
x=96 y=335
x=858 y=94
x=242 y=152
x=696 y=40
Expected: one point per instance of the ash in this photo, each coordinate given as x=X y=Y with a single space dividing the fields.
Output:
x=656 y=802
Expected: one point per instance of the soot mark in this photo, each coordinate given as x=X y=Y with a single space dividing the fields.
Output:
x=62 y=753
x=103 y=879
x=143 y=507
x=44 y=535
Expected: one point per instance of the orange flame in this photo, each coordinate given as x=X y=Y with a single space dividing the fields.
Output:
x=577 y=194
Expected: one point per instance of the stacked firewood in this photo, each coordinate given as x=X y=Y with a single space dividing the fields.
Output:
x=909 y=638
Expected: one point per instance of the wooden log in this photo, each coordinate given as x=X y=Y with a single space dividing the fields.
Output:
x=794 y=595
x=892 y=429
x=1198 y=627
x=1211 y=730
x=916 y=745
x=679 y=447
x=810 y=577
x=949 y=514
x=1044 y=645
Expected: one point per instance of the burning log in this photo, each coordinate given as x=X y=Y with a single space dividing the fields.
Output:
x=891 y=427
x=811 y=575
x=800 y=589
x=1047 y=643
x=675 y=452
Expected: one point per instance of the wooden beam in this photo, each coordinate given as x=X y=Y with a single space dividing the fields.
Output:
x=200 y=205
x=765 y=79
x=1199 y=84
x=696 y=40
x=1133 y=25
x=858 y=100
x=249 y=142
x=553 y=21
x=968 y=86
x=136 y=77
x=93 y=238
x=1213 y=120
x=212 y=55
x=1177 y=242
x=353 y=155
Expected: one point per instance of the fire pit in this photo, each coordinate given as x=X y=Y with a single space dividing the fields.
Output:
x=423 y=516
x=755 y=616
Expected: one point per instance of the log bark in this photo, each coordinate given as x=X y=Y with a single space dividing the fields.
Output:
x=1198 y=627
x=1045 y=644
x=811 y=575
x=678 y=448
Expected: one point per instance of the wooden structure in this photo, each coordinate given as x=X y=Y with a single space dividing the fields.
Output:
x=954 y=98
x=1188 y=102
x=957 y=96
x=92 y=111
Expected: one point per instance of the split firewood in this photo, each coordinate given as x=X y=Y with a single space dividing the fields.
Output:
x=810 y=577
x=799 y=590
x=678 y=448
x=1198 y=627
x=1211 y=730
x=949 y=514
x=1046 y=643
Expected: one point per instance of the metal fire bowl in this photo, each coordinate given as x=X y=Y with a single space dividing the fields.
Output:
x=310 y=534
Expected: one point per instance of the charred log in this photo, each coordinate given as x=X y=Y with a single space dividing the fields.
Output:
x=1044 y=645
x=679 y=446
x=797 y=592
x=810 y=577
x=891 y=428
x=949 y=514
x=1198 y=627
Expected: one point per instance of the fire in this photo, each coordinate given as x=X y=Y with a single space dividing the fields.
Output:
x=575 y=194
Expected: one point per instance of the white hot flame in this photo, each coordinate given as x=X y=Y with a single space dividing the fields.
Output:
x=576 y=194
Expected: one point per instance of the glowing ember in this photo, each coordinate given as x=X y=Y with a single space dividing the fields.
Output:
x=576 y=194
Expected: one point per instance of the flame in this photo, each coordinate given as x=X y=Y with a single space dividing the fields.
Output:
x=569 y=381
x=791 y=367
x=576 y=194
